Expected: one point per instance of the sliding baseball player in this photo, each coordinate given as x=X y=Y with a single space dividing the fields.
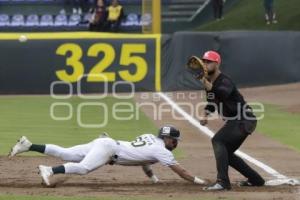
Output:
x=146 y=150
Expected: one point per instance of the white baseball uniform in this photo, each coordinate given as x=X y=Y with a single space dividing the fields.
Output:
x=146 y=149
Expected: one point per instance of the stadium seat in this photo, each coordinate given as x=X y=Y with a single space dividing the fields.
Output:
x=32 y=20
x=132 y=19
x=57 y=17
x=146 y=19
x=46 y=20
x=74 y=20
x=17 y=20
x=87 y=17
x=61 y=20
x=4 y=20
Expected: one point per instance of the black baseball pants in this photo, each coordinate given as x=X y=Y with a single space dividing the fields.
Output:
x=225 y=142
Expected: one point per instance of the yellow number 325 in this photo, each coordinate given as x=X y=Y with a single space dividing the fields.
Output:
x=97 y=73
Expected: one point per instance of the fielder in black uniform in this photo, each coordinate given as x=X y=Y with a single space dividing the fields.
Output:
x=223 y=96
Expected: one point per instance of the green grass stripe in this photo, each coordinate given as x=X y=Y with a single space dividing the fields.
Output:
x=281 y=126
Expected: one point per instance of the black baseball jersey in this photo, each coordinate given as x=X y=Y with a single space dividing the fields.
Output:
x=225 y=96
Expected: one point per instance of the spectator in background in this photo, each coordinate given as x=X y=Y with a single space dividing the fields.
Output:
x=98 y=20
x=218 y=8
x=270 y=14
x=95 y=3
x=115 y=15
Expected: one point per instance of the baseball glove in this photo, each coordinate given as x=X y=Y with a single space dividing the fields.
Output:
x=196 y=67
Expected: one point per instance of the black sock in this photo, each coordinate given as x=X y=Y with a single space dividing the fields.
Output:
x=58 y=169
x=38 y=148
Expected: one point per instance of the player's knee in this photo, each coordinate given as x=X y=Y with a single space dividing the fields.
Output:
x=215 y=141
x=218 y=146
x=68 y=155
x=84 y=169
x=65 y=155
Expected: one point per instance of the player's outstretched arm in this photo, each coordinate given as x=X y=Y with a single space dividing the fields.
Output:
x=186 y=175
x=148 y=171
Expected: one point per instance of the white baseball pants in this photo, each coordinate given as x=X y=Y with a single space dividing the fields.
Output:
x=86 y=157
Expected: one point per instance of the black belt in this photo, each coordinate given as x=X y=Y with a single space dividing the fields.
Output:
x=113 y=159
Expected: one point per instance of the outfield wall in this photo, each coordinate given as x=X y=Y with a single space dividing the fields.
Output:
x=250 y=58
x=94 y=62
x=148 y=62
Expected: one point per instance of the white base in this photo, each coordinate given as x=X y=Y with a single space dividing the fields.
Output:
x=287 y=181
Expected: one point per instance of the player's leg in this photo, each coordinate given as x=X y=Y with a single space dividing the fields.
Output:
x=244 y=128
x=75 y=153
x=100 y=154
x=221 y=155
x=225 y=142
x=268 y=16
x=254 y=179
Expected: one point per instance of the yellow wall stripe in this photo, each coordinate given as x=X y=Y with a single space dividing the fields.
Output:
x=74 y=35
x=158 y=64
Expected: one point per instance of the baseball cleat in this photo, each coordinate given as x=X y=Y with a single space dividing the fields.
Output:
x=45 y=173
x=217 y=187
x=22 y=145
x=249 y=184
x=244 y=184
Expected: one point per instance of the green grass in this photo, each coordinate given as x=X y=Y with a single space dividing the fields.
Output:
x=30 y=116
x=281 y=126
x=249 y=15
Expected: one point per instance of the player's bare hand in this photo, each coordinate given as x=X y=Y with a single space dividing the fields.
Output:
x=203 y=118
x=206 y=83
x=203 y=121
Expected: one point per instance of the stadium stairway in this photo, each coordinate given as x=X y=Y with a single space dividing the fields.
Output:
x=182 y=10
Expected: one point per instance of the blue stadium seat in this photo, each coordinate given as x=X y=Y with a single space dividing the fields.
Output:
x=132 y=19
x=146 y=19
x=32 y=20
x=87 y=17
x=17 y=20
x=52 y=19
x=74 y=19
x=46 y=20
x=4 y=20
x=61 y=20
